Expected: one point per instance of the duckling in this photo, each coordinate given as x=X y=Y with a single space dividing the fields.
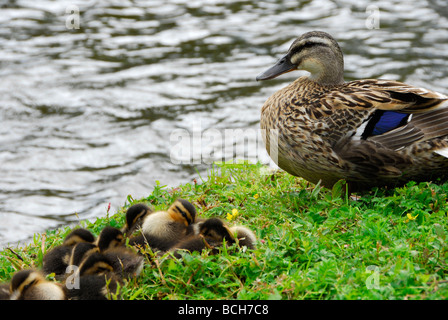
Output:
x=110 y=237
x=57 y=259
x=96 y=263
x=31 y=285
x=96 y=279
x=369 y=132
x=163 y=229
x=80 y=251
x=245 y=236
x=4 y=291
x=124 y=260
x=212 y=233
x=134 y=217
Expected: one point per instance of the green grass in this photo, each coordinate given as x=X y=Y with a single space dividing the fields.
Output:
x=314 y=243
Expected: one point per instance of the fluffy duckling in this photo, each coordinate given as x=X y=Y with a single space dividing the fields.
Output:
x=80 y=251
x=96 y=279
x=163 y=229
x=110 y=237
x=124 y=260
x=134 y=217
x=31 y=285
x=245 y=236
x=212 y=233
x=57 y=259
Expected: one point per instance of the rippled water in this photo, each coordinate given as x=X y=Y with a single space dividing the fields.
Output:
x=93 y=114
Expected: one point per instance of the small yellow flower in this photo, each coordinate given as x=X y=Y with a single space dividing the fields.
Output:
x=410 y=217
x=231 y=216
x=256 y=196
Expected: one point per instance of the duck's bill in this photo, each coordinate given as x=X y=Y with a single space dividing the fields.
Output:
x=284 y=65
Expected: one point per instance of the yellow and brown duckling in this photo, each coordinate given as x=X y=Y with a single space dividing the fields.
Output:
x=124 y=260
x=213 y=232
x=110 y=237
x=163 y=229
x=32 y=285
x=368 y=132
x=80 y=251
x=57 y=259
x=94 y=280
x=134 y=217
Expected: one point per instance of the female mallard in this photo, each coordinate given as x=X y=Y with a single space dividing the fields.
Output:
x=368 y=132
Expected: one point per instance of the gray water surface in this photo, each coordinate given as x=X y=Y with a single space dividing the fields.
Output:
x=87 y=115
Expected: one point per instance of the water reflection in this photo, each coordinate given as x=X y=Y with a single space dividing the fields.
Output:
x=87 y=113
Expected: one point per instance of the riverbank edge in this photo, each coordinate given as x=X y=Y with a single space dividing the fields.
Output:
x=313 y=243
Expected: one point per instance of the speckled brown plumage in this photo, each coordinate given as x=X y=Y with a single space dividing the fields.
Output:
x=319 y=124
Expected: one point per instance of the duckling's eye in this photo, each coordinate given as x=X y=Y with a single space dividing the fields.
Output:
x=28 y=285
x=184 y=215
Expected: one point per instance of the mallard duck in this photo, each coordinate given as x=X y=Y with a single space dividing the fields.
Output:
x=368 y=132
x=135 y=216
x=31 y=285
x=94 y=280
x=124 y=260
x=163 y=229
x=213 y=232
x=57 y=259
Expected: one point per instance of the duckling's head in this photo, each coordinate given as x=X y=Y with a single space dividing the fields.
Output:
x=96 y=264
x=183 y=211
x=82 y=250
x=316 y=52
x=110 y=237
x=135 y=215
x=77 y=236
x=215 y=229
x=23 y=280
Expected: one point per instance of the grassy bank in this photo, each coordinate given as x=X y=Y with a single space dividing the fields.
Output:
x=314 y=243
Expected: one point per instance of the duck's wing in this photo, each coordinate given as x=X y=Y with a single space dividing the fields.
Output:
x=400 y=114
x=382 y=117
x=387 y=95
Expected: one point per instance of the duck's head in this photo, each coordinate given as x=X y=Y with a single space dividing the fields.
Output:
x=215 y=229
x=182 y=211
x=316 y=52
x=77 y=236
x=23 y=280
x=96 y=264
x=135 y=215
x=110 y=237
